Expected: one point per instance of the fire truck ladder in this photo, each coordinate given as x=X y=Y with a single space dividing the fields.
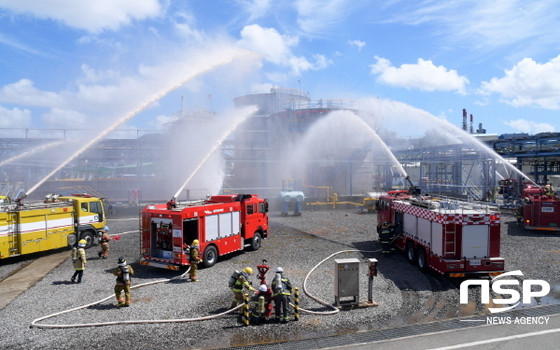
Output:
x=450 y=240
x=14 y=236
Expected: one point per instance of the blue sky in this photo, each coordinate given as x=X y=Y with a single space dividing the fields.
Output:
x=88 y=63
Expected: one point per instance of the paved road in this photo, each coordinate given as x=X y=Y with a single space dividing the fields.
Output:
x=14 y=285
x=503 y=336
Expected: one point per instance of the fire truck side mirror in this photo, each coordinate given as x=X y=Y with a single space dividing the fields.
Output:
x=372 y=267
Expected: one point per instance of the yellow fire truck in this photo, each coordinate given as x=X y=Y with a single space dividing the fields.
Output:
x=56 y=222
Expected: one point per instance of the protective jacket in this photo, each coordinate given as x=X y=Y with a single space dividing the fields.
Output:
x=79 y=259
x=281 y=286
x=240 y=283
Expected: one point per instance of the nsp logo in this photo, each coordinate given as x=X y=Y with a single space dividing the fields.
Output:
x=498 y=288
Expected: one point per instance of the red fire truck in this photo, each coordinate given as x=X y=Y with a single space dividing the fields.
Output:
x=540 y=209
x=223 y=224
x=452 y=237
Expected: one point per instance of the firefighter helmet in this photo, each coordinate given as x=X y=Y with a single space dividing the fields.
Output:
x=263 y=288
x=195 y=242
x=121 y=261
x=82 y=243
x=248 y=270
x=279 y=270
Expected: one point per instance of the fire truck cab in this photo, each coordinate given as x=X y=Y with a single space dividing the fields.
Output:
x=222 y=224
x=451 y=237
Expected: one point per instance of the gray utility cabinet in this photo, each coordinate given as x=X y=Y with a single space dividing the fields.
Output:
x=347 y=278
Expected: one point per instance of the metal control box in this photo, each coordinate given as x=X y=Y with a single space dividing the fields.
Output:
x=347 y=278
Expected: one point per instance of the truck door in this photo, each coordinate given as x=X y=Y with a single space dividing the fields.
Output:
x=90 y=213
x=97 y=208
x=475 y=241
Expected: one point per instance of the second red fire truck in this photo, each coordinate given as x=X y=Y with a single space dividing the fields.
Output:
x=452 y=237
x=223 y=224
x=539 y=209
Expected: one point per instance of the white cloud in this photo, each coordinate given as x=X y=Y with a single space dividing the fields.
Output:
x=159 y=122
x=63 y=118
x=16 y=44
x=321 y=62
x=276 y=49
x=529 y=83
x=24 y=93
x=481 y=25
x=267 y=41
x=90 y=15
x=423 y=76
x=14 y=118
x=314 y=16
x=357 y=43
x=529 y=126
x=255 y=8
x=185 y=24
x=105 y=96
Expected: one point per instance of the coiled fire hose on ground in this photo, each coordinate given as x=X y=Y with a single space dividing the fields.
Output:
x=334 y=311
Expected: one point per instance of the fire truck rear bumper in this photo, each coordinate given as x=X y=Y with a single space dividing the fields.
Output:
x=161 y=265
x=475 y=267
x=475 y=273
x=542 y=228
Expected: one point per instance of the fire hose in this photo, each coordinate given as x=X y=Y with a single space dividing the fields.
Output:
x=335 y=310
x=34 y=323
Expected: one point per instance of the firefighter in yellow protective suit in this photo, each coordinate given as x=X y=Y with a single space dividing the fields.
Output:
x=79 y=261
x=241 y=282
x=104 y=242
x=124 y=280
x=194 y=260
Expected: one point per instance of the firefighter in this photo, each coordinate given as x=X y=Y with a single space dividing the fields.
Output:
x=104 y=241
x=260 y=305
x=124 y=280
x=519 y=215
x=194 y=260
x=79 y=261
x=241 y=282
x=385 y=237
x=549 y=190
x=282 y=289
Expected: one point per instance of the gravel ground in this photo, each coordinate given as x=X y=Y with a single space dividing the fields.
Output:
x=404 y=294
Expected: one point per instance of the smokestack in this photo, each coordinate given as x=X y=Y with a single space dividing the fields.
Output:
x=480 y=129
x=471 y=128
x=464 y=119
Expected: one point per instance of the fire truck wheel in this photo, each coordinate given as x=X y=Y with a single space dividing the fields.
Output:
x=410 y=253
x=210 y=256
x=88 y=236
x=421 y=259
x=256 y=241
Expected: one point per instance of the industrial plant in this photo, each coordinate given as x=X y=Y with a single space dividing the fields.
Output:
x=274 y=153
